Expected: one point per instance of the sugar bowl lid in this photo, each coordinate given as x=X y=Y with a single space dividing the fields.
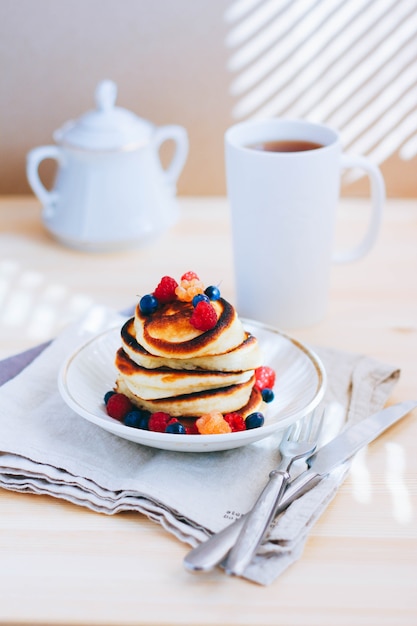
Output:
x=107 y=127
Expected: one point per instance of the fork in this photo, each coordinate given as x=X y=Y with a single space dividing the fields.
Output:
x=299 y=441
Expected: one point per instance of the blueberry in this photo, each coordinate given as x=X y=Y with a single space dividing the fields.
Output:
x=254 y=420
x=108 y=395
x=137 y=419
x=212 y=292
x=148 y=304
x=199 y=297
x=267 y=395
x=175 y=428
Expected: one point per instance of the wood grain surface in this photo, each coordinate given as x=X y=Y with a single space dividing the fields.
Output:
x=60 y=564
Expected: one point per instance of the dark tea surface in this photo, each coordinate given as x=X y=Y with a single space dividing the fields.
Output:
x=285 y=145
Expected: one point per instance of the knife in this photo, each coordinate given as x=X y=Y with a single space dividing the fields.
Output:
x=213 y=551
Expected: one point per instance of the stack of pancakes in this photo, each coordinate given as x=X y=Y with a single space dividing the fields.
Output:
x=165 y=364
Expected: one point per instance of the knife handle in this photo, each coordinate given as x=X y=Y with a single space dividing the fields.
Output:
x=214 y=550
x=256 y=523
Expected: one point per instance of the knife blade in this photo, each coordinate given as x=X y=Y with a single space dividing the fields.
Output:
x=212 y=552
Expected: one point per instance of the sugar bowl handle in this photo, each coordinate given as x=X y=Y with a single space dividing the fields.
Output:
x=33 y=160
x=178 y=134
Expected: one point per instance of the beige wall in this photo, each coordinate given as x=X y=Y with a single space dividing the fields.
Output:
x=168 y=58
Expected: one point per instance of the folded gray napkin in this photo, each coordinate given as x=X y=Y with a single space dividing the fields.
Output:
x=46 y=448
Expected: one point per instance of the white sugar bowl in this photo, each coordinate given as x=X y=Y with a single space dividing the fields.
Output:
x=111 y=191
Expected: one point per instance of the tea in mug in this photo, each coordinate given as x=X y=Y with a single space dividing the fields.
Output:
x=285 y=145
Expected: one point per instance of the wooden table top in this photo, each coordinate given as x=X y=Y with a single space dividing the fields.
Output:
x=61 y=564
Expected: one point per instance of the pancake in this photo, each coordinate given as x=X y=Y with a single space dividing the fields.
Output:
x=168 y=332
x=242 y=398
x=245 y=356
x=163 y=382
x=188 y=356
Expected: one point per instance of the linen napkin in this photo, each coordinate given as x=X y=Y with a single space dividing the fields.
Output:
x=46 y=448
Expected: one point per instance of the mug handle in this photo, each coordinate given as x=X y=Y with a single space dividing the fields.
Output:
x=179 y=135
x=33 y=160
x=377 y=198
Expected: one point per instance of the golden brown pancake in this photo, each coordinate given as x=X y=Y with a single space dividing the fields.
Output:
x=163 y=382
x=245 y=356
x=242 y=398
x=166 y=364
x=167 y=332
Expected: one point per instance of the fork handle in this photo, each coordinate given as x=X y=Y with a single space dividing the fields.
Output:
x=213 y=551
x=256 y=523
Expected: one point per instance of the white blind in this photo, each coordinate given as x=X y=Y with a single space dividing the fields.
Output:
x=348 y=63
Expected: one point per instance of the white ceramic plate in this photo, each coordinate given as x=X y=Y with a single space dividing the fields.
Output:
x=89 y=373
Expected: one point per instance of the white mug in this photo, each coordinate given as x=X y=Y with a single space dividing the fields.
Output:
x=283 y=207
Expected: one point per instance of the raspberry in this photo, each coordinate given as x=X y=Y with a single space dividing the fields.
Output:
x=118 y=405
x=264 y=377
x=235 y=421
x=191 y=429
x=188 y=289
x=204 y=317
x=165 y=291
x=212 y=424
x=189 y=276
x=158 y=421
